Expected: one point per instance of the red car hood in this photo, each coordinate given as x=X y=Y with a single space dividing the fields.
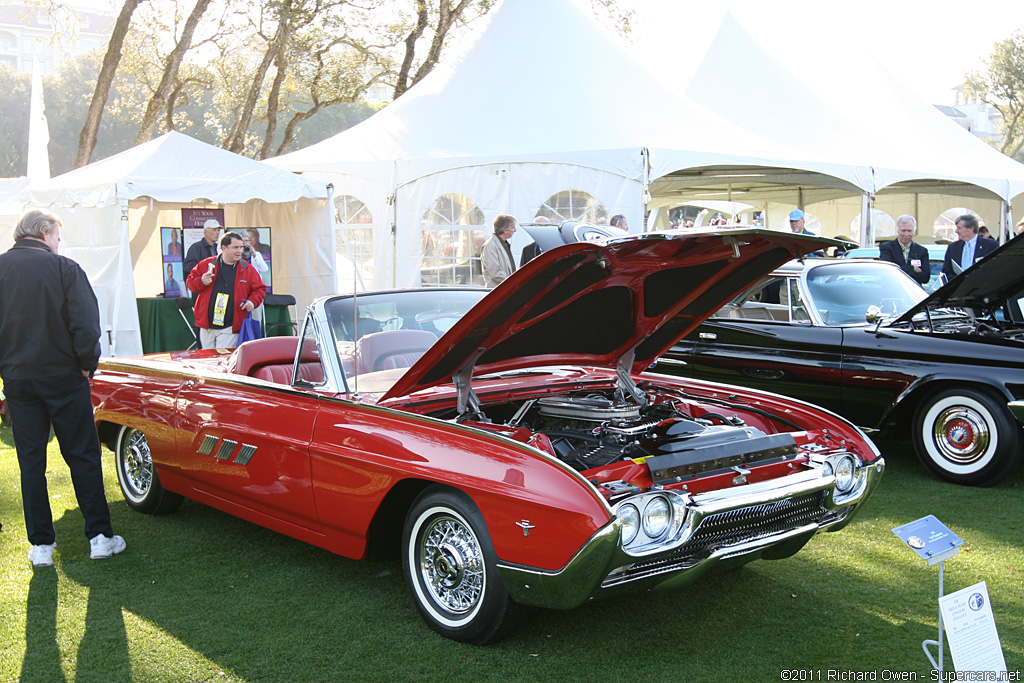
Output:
x=617 y=304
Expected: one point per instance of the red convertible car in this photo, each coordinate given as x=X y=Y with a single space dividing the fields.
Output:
x=508 y=444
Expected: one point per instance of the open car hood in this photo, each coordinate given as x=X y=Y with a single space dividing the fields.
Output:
x=984 y=286
x=619 y=303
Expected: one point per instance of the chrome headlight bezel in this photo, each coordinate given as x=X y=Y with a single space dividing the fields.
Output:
x=629 y=517
x=848 y=472
x=647 y=536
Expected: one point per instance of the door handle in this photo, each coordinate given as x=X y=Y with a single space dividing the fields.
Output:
x=710 y=336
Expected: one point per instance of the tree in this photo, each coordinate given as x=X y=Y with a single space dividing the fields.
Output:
x=1002 y=86
x=158 y=102
x=112 y=57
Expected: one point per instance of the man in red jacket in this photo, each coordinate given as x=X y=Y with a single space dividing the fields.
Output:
x=228 y=288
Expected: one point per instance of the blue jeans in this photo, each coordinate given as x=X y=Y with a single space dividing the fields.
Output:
x=63 y=401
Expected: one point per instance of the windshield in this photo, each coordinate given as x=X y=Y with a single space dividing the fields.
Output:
x=386 y=333
x=842 y=292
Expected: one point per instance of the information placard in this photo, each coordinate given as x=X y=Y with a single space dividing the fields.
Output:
x=971 y=630
x=930 y=538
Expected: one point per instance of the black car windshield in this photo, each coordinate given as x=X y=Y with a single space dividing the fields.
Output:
x=843 y=292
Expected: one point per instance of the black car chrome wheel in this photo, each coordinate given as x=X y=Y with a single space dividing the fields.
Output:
x=138 y=478
x=965 y=436
x=451 y=569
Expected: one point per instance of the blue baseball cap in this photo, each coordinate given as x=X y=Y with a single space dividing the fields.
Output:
x=796 y=214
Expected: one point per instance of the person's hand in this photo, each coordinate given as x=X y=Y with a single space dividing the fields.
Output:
x=248 y=306
x=208 y=275
x=85 y=374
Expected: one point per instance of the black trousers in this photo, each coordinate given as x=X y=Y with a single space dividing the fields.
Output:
x=63 y=401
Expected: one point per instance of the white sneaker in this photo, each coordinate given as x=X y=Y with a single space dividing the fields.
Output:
x=41 y=555
x=101 y=547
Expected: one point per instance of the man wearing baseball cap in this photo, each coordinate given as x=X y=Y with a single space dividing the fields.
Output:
x=204 y=248
x=796 y=224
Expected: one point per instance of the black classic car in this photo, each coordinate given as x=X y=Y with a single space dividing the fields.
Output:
x=863 y=339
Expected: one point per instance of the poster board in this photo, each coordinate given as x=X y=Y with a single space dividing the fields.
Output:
x=172 y=250
x=260 y=241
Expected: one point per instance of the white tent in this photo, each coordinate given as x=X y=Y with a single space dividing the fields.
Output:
x=853 y=112
x=10 y=208
x=549 y=114
x=546 y=114
x=113 y=210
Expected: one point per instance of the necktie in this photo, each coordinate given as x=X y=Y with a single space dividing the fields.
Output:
x=967 y=258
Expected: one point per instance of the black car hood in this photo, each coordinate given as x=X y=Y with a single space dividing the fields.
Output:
x=551 y=235
x=984 y=286
x=617 y=304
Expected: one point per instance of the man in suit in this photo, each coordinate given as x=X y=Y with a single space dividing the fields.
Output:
x=968 y=249
x=905 y=252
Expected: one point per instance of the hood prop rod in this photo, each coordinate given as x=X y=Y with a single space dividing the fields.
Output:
x=626 y=385
x=468 y=403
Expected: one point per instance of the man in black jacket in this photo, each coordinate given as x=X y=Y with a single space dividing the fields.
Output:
x=905 y=252
x=50 y=327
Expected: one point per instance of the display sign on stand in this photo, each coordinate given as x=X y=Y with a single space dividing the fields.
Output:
x=934 y=543
x=971 y=629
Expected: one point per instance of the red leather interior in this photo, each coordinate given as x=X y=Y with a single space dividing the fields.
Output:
x=271 y=359
x=392 y=349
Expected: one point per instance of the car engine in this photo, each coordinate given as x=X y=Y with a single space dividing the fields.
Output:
x=595 y=429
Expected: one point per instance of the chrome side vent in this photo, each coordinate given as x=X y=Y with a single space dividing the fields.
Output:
x=245 y=454
x=224 y=452
x=209 y=442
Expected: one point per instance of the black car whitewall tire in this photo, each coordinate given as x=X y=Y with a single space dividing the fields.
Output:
x=451 y=569
x=965 y=436
x=137 y=475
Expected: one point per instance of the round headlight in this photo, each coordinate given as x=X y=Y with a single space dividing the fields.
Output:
x=657 y=516
x=846 y=471
x=629 y=517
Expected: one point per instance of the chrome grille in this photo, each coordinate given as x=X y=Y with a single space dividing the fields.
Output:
x=730 y=528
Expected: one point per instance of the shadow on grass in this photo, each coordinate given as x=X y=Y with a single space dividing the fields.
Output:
x=42 y=660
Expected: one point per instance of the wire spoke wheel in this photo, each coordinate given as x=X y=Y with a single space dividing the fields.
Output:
x=452 y=571
x=451 y=563
x=137 y=476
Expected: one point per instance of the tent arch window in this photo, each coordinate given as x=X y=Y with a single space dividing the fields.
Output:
x=355 y=241
x=882 y=222
x=945 y=223
x=453 y=233
x=573 y=205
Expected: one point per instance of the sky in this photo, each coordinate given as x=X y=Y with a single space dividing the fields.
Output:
x=929 y=45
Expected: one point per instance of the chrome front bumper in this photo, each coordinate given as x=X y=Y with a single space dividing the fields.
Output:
x=769 y=520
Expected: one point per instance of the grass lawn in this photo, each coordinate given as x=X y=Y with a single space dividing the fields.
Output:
x=201 y=596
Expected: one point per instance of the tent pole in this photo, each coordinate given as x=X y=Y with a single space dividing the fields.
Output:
x=125 y=253
x=1003 y=222
x=867 y=232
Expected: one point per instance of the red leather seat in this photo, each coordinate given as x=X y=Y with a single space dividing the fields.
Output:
x=392 y=349
x=271 y=359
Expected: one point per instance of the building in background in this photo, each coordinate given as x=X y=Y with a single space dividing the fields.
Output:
x=49 y=36
x=980 y=118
